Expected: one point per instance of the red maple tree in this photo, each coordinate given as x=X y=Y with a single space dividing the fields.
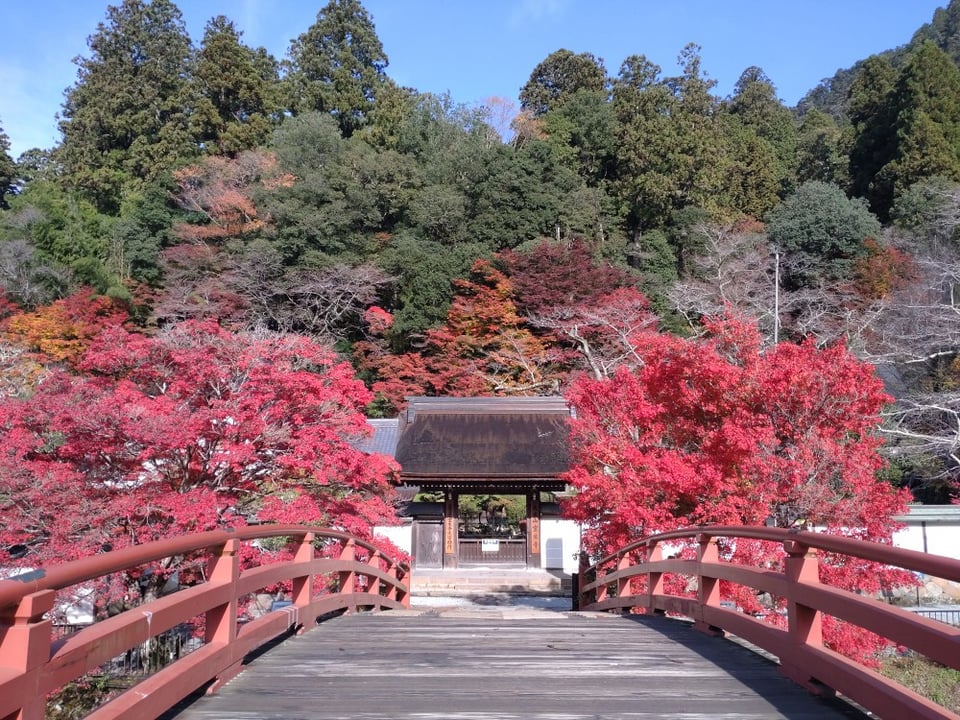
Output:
x=191 y=430
x=559 y=274
x=712 y=430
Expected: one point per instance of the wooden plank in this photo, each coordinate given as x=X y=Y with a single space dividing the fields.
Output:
x=505 y=665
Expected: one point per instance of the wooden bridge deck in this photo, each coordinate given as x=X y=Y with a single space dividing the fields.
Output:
x=502 y=664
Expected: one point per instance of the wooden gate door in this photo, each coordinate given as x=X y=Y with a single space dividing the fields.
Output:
x=428 y=544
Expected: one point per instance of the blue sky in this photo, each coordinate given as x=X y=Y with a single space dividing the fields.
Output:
x=475 y=49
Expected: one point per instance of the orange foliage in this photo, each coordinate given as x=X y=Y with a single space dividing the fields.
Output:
x=62 y=330
x=527 y=127
x=485 y=348
x=220 y=189
x=882 y=270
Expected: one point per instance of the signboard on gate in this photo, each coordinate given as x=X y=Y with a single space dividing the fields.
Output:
x=533 y=533
x=489 y=545
x=449 y=536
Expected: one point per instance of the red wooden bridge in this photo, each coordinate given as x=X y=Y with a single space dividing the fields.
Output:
x=619 y=656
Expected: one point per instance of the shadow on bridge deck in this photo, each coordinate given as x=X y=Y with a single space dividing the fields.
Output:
x=497 y=657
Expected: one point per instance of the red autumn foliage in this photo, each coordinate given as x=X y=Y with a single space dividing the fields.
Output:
x=191 y=430
x=712 y=430
x=62 y=330
x=378 y=320
x=484 y=348
x=554 y=275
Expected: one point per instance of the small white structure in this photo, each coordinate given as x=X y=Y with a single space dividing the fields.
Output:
x=933 y=529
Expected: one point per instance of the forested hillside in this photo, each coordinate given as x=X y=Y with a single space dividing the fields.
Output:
x=221 y=237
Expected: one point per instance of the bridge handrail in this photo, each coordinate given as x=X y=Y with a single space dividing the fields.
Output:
x=936 y=565
x=60 y=577
x=607 y=585
x=32 y=664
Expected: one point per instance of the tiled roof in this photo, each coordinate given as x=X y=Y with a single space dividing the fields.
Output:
x=383 y=440
x=490 y=438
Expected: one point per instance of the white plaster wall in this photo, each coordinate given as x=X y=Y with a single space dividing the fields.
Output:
x=559 y=544
x=941 y=539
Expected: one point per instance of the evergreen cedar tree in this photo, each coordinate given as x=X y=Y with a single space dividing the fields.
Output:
x=713 y=431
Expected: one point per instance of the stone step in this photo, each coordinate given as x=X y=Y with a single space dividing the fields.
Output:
x=463 y=581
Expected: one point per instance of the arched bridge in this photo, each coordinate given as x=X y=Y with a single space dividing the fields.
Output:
x=619 y=656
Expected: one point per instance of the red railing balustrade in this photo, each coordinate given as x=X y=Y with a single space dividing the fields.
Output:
x=34 y=662
x=607 y=585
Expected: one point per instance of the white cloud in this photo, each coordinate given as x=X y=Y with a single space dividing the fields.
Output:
x=532 y=11
x=251 y=22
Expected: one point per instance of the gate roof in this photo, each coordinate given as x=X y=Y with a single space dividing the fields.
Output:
x=483 y=441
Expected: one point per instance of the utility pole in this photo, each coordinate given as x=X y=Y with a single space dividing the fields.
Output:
x=776 y=297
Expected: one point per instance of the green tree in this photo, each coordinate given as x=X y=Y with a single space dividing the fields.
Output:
x=389 y=115
x=753 y=176
x=8 y=170
x=238 y=90
x=672 y=149
x=36 y=164
x=928 y=123
x=344 y=192
x=558 y=77
x=142 y=231
x=337 y=66
x=873 y=141
x=519 y=196
x=64 y=228
x=928 y=210
x=819 y=154
x=653 y=257
x=820 y=232
x=755 y=104
x=700 y=156
x=943 y=30
x=643 y=106
x=125 y=121
x=582 y=134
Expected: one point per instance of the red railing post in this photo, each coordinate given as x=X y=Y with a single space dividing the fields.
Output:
x=654 y=553
x=301 y=591
x=25 y=647
x=372 y=582
x=602 y=590
x=708 y=587
x=224 y=568
x=623 y=584
x=347 y=579
x=392 y=574
x=407 y=577
x=801 y=566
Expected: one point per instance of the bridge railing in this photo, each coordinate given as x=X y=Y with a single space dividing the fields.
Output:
x=799 y=646
x=34 y=663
